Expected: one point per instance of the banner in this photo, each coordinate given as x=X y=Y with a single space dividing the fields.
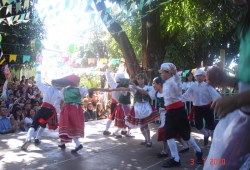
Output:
x=12 y=57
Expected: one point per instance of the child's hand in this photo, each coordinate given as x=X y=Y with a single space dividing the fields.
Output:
x=223 y=106
x=172 y=69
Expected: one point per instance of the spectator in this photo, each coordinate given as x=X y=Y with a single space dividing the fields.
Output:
x=17 y=119
x=23 y=92
x=3 y=103
x=89 y=114
x=5 y=125
x=27 y=107
x=108 y=111
x=100 y=112
x=13 y=88
x=16 y=94
x=29 y=119
x=10 y=100
x=30 y=93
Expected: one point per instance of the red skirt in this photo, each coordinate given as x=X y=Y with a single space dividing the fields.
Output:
x=120 y=112
x=71 y=123
x=161 y=134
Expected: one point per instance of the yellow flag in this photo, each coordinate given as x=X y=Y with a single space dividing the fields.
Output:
x=12 y=57
x=1 y=62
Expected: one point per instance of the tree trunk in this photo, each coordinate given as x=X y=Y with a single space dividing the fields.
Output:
x=152 y=49
x=121 y=38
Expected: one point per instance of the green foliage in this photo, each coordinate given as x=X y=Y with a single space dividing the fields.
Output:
x=90 y=80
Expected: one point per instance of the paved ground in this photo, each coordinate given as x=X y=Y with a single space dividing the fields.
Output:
x=99 y=152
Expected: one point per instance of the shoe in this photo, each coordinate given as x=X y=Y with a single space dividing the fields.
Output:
x=199 y=158
x=117 y=136
x=106 y=133
x=129 y=136
x=77 y=149
x=26 y=145
x=149 y=144
x=171 y=163
x=124 y=133
x=143 y=142
x=62 y=146
x=37 y=141
x=161 y=155
x=206 y=140
x=184 y=150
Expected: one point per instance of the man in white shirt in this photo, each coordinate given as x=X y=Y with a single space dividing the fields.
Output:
x=49 y=109
x=202 y=96
x=176 y=117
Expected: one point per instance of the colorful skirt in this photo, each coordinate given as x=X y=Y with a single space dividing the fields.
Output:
x=141 y=114
x=121 y=111
x=71 y=123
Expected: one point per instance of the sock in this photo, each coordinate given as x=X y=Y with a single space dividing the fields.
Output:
x=124 y=129
x=204 y=132
x=194 y=145
x=164 y=149
x=173 y=149
x=76 y=141
x=211 y=133
x=108 y=125
x=39 y=133
x=147 y=134
x=30 y=133
x=117 y=130
x=128 y=132
x=143 y=133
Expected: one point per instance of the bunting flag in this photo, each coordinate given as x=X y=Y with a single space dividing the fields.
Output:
x=10 y=19
x=5 y=2
x=1 y=62
x=26 y=58
x=26 y=4
x=9 y=9
x=12 y=57
x=18 y=7
x=27 y=17
x=103 y=60
x=1 y=20
x=16 y=18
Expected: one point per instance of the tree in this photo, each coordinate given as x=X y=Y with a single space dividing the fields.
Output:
x=184 y=32
x=16 y=38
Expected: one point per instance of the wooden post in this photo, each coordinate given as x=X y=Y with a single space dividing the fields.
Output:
x=222 y=58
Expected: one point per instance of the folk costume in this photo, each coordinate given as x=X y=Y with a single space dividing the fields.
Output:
x=176 y=121
x=71 y=124
x=122 y=109
x=142 y=112
x=46 y=114
x=231 y=136
x=113 y=83
x=202 y=96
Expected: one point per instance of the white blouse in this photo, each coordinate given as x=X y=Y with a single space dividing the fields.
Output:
x=187 y=85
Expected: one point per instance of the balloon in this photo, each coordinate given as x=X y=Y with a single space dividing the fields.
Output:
x=36 y=44
x=72 y=48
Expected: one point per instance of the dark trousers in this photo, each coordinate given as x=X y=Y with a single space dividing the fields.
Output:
x=176 y=122
x=204 y=113
x=44 y=113
x=113 y=105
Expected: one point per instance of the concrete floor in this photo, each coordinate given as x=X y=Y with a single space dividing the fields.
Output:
x=99 y=152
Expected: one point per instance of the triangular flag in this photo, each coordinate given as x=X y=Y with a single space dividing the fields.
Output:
x=27 y=17
x=132 y=6
x=26 y=4
x=9 y=19
x=98 y=1
x=1 y=20
x=12 y=57
x=18 y=7
x=99 y=14
x=2 y=61
x=16 y=18
x=67 y=3
x=141 y=5
x=92 y=18
x=105 y=18
x=89 y=3
x=107 y=11
x=45 y=16
x=22 y=17
x=9 y=9
x=5 y=2
x=26 y=58
x=10 y=1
